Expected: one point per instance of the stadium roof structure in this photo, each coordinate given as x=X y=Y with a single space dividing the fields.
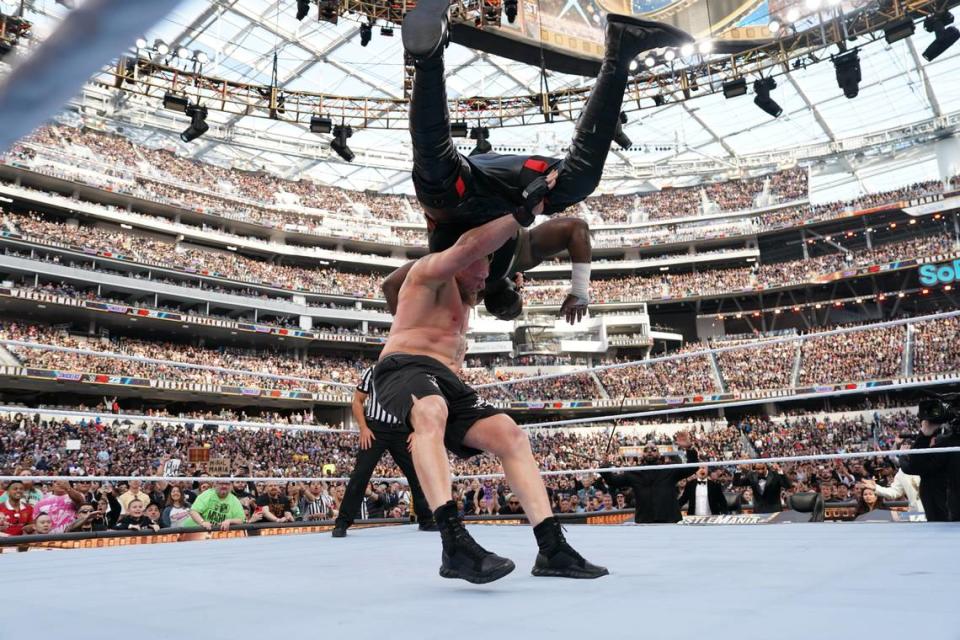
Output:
x=904 y=103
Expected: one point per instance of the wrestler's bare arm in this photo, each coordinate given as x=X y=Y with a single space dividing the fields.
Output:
x=472 y=245
x=392 y=284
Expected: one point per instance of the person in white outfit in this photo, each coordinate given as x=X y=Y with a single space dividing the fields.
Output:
x=903 y=485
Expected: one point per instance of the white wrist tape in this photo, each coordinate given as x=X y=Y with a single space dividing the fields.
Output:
x=580 y=281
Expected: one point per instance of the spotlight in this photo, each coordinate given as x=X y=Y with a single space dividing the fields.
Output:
x=201 y=56
x=687 y=50
x=183 y=53
x=386 y=32
x=175 y=103
x=945 y=37
x=339 y=142
x=458 y=129
x=141 y=43
x=329 y=10
x=899 y=30
x=510 y=10
x=848 y=72
x=762 y=88
x=161 y=47
x=813 y=5
x=706 y=46
x=619 y=136
x=793 y=14
x=633 y=65
x=669 y=55
x=481 y=135
x=650 y=61
x=774 y=26
x=734 y=88
x=366 y=33
x=320 y=124
x=198 y=123
x=303 y=8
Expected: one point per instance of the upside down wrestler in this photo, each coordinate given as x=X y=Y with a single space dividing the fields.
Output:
x=417 y=382
x=459 y=192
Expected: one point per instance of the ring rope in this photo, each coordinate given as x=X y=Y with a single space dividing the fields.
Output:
x=742 y=403
x=713 y=350
x=490 y=476
x=604 y=420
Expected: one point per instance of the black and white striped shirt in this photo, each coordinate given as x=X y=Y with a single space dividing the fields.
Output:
x=371 y=408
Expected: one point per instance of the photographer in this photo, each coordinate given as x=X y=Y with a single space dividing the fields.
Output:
x=939 y=473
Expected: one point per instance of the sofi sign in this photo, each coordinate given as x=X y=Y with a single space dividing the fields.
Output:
x=931 y=274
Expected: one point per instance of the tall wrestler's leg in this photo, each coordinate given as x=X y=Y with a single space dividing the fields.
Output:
x=500 y=435
x=397 y=447
x=626 y=38
x=367 y=460
x=436 y=161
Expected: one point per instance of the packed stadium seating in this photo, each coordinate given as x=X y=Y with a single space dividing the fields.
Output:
x=119 y=446
x=29 y=442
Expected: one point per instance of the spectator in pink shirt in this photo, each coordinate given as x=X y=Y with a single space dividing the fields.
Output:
x=61 y=505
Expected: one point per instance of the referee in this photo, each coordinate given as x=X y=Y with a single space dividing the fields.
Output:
x=379 y=432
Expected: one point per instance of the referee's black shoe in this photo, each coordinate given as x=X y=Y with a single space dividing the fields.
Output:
x=557 y=558
x=339 y=531
x=462 y=557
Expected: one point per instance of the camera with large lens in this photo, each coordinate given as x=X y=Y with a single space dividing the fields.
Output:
x=940 y=410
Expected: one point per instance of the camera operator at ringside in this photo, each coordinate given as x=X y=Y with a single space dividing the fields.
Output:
x=939 y=473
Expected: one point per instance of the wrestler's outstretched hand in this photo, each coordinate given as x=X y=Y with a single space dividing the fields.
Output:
x=573 y=309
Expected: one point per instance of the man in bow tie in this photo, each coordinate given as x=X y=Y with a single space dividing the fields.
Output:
x=703 y=496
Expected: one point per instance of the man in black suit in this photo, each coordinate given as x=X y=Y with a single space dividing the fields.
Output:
x=704 y=496
x=767 y=487
x=655 y=490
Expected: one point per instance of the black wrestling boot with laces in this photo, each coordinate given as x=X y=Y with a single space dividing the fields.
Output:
x=428 y=525
x=462 y=557
x=557 y=558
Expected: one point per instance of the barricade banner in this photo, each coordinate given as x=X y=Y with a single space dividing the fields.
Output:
x=741 y=518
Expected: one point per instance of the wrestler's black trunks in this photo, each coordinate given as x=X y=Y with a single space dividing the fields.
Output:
x=400 y=376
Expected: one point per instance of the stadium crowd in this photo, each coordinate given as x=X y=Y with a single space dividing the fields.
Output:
x=304 y=206
x=193 y=259
x=312 y=369
x=30 y=445
x=861 y=355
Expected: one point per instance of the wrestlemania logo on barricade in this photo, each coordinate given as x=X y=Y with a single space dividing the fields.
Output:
x=741 y=518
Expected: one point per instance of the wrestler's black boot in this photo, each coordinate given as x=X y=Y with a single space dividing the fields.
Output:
x=425 y=28
x=462 y=557
x=557 y=558
x=626 y=38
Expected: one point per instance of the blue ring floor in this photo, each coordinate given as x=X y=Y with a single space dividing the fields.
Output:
x=773 y=582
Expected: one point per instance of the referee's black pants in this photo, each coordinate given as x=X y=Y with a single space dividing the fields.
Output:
x=392 y=438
